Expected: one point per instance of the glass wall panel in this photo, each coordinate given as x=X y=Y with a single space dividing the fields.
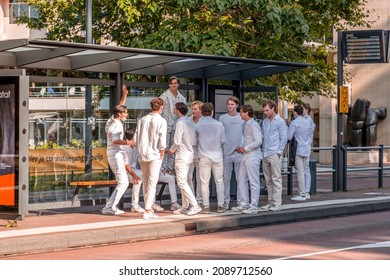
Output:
x=57 y=133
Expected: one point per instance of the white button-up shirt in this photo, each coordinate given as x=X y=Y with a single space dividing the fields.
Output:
x=210 y=136
x=274 y=136
x=114 y=130
x=184 y=140
x=168 y=112
x=252 y=139
x=150 y=137
x=300 y=128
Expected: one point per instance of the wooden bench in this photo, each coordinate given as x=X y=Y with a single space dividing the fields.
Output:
x=107 y=183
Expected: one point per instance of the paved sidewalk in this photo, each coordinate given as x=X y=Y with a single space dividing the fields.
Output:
x=59 y=229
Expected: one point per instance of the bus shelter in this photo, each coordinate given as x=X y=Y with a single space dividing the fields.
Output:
x=56 y=96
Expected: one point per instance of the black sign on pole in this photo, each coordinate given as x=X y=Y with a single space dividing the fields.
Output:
x=365 y=46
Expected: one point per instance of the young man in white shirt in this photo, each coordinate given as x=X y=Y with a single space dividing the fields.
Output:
x=196 y=107
x=170 y=98
x=150 y=138
x=115 y=154
x=210 y=136
x=306 y=115
x=274 y=130
x=184 y=141
x=300 y=129
x=134 y=174
x=250 y=165
x=234 y=128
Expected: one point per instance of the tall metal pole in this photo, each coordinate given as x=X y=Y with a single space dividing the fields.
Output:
x=88 y=24
x=88 y=100
x=340 y=134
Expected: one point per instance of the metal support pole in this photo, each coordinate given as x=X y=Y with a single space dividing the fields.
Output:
x=313 y=175
x=380 y=165
x=334 y=166
x=290 y=181
x=344 y=161
x=340 y=135
x=88 y=102
x=88 y=23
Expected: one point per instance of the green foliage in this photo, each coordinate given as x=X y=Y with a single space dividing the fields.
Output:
x=264 y=29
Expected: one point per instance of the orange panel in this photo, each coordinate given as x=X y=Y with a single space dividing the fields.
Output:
x=7 y=190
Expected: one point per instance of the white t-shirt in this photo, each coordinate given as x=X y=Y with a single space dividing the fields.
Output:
x=234 y=129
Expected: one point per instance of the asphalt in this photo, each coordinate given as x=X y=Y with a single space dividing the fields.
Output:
x=56 y=229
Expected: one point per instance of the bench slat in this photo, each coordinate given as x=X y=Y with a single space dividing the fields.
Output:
x=93 y=183
x=103 y=183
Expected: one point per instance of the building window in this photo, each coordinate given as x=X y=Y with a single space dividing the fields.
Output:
x=17 y=9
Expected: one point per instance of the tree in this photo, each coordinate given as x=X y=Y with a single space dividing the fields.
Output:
x=264 y=29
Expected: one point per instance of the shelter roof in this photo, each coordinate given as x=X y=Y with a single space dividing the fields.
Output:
x=44 y=54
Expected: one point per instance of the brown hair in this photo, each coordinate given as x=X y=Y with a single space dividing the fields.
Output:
x=271 y=104
x=119 y=109
x=307 y=107
x=247 y=109
x=234 y=99
x=173 y=78
x=156 y=103
x=207 y=109
x=182 y=108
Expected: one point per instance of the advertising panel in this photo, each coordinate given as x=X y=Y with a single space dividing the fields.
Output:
x=8 y=159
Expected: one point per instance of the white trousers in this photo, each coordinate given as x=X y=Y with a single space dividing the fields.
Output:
x=187 y=195
x=171 y=181
x=205 y=168
x=250 y=170
x=150 y=173
x=197 y=190
x=227 y=175
x=136 y=187
x=300 y=163
x=168 y=160
x=117 y=165
x=307 y=175
x=273 y=179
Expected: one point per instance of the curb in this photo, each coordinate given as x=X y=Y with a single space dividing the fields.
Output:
x=77 y=239
x=291 y=215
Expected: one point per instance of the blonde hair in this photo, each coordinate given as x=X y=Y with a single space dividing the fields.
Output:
x=197 y=102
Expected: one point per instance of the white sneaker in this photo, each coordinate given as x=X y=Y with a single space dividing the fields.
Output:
x=182 y=210
x=298 y=198
x=194 y=210
x=307 y=195
x=157 y=208
x=110 y=211
x=175 y=206
x=150 y=215
x=249 y=211
x=275 y=208
x=265 y=207
x=137 y=209
x=238 y=208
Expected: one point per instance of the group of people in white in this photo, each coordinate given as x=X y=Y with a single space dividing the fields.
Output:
x=168 y=146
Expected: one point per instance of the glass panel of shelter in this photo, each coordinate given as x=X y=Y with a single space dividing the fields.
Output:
x=57 y=154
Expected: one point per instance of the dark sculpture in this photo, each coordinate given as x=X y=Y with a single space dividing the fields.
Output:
x=361 y=123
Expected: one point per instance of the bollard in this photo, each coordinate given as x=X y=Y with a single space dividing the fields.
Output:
x=313 y=174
